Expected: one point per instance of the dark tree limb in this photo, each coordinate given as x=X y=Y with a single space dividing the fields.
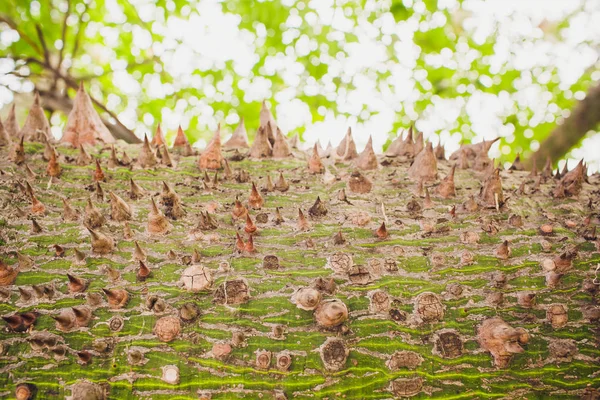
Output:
x=584 y=117
x=40 y=34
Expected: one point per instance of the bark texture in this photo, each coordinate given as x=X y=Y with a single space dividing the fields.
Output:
x=377 y=293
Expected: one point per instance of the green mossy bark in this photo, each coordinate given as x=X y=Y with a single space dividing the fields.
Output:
x=371 y=338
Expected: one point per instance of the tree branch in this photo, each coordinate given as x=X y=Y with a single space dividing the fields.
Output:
x=64 y=36
x=22 y=34
x=584 y=117
x=40 y=34
x=80 y=28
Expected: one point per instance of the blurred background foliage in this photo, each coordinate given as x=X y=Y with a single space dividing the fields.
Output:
x=462 y=70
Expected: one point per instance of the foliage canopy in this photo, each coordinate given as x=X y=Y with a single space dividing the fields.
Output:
x=460 y=69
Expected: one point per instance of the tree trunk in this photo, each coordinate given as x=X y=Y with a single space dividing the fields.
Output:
x=584 y=118
x=416 y=294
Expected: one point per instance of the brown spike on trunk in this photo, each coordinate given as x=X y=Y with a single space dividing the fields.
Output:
x=281 y=148
x=211 y=157
x=239 y=211
x=143 y=272
x=440 y=151
x=239 y=139
x=84 y=356
x=503 y=251
x=28 y=318
x=79 y=255
x=318 y=209
x=250 y=225
x=11 y=125
x=147 y=158
x=396 y=147
x=35 y=227
x=571 y=183
x=15 y=323
x=427 y=203
x=358 y=183
x=76 y=284
x=367 y=160
x=282 y=185
x=117 y=298
x=158 y=224
x=172 y=202
x=92 y=217
x=381 y=232
x=120 y=210
x=135 y=191
x=83 y=316
x=53 y=169
x=565 y=169
x=255 y=200
x=48 y=150
x=181 y=141
x=25 y=261
x=101 y=243
x=239 y=243
x=36 y=127
x=270 y=186
x=166 y=157
x=113 y=160
x=302 y=224
x=315 y=166
x=268 y=122
x=30 y=173
x=249 y=247
x=349 y=147
x=99 y=173
x=446 y=188
x=37 y=207
x=196 y=257
x=261 y=148
x=17 y=155
x=5 y=139
x=65 y=321
x=8 y=274
x=138 y=254
x=125 y=159
x=228 y=172
x=25 y=295
x=83 y=157
x=158 y=139
x=425 y=165
x=99 y=192
x=419 y=143
x=517 y=164
x=84 y=125
x=278 y=218
x=338 y=238
x=491 y=192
